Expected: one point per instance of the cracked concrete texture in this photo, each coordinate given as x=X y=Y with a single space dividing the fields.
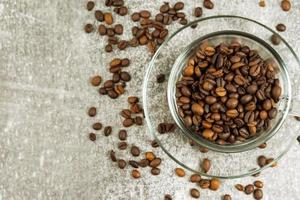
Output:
x=46 y=62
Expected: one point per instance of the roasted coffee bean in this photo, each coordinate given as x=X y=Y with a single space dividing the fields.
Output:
x=206 y=163
x=121 y=10
x=145 y=14
x=108 y=18
x=195 y=178
x=214 y=184
x=144 y=163
x=122 y=134
x=208 y=4
x=122 y=145
x=90 y=5
x=258 y=184
x=112 y=94
x=99 y=15
x=272 y=113
x=138 y=120
x=135 y=151
x=135 y=17
x=180 y=172
x=160 y=78
x=102 y=29
x=183 y=21
x=128 y=122
x=195 y=193
x=227 y=197
x=110 y=32
x=96 y=80
x=262 y=3
x=97 y=126
x=258 y=194
x=239 y=187
x=298 y=139
x=125 y=76
x=133 y=99
x=126 y=113
x=178 y=6
x=155 y=163
x=118 y=28
x=154 y=144
x=286 y=5
x=92 y=136
x=122 y=44
x=121 y=163
x=263 y=145
x=92 y=111
x=168 y=197
x=280 y=27
x=133 y=164
x=155 y=171
x=108 y=48
x=204 y=183
x=275 y=39
x=198 y=12
x=102 y=91
x=149 y=156
x=88 y=28
x=261 y=161
x=107 y=130
x=135 y=174
x=108 y=3
x=164 y=8
x=249 y=189
x=112 y=155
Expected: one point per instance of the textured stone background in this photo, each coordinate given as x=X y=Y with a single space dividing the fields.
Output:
x=45 y=62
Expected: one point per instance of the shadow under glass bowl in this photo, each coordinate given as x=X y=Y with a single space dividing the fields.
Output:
x=159 y=103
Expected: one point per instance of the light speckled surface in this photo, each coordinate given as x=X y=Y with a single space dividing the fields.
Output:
x=46 y=61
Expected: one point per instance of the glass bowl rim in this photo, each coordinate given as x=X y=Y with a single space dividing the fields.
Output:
x=145 y=97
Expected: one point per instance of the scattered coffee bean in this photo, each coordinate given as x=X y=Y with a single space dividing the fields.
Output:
x=298 y=139
x=92 y=112
x=280 y=27
x=258 y=184
x=198 y=12
x=154 y=144
x=145 y=14
x=102 y=29
x=88 y=28
x=121 y=163
x=112 y=155
x=275 y=39
x=203 y=149
x=122 y=145
x=122 y=134
x=297 y=118
x=168 y=197
x=249 y=189
x=261 y=161
x=164 y=8
x=160 y=78
x=97 y=126
x=178 y=6
x=155 y=171
x=135 y=174
x=195 y=193
x=108 y=18
x=183 y=21
x=99 y=15
x=132 y=99
x=138 y=120
x=92 y=136
x=149 y=156
x=133 y=163
x=180 y=172
x=258 y=194
x=286 y=5
x=263 y=145
x=206 y=165
x=128 y=122
x=135 y=151
x=204 y=183
x=166 y=127
x=135 y=17
x=96 y=80
x=118 y=28
x=108 y=48
x=121 y=10
x=270 y=160
x=214 y=184
x=155 y=163
x=144 y=163
x=208 y=4
x=239 y=187
x=195 y=178
x=227 y=197
x=126 y=113
x=262 y=3
x=109 y=3
x=90 y=5
x=107 y=130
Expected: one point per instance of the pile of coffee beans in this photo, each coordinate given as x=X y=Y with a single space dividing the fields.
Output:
x=227 y=93
x=255 y=189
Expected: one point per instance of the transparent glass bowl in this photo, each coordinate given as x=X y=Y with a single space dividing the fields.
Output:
x=230 y=161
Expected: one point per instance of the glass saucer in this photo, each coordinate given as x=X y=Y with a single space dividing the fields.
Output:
x=176 y=144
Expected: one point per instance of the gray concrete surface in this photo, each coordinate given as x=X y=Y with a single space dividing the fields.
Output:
x=45 y=62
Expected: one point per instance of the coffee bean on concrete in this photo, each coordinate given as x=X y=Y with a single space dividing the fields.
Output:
x=208 y=4
x=90 y=5
x=180 y=172
x=195 y=193
x=286 y=5
x=198 y=12
x=280 y=27
x=92 y=136
x=112 y=155
x=92 y=112
x=258 y=194
x=97 y=126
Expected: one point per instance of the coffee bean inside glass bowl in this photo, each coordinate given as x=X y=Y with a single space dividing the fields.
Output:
x=227 y=93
